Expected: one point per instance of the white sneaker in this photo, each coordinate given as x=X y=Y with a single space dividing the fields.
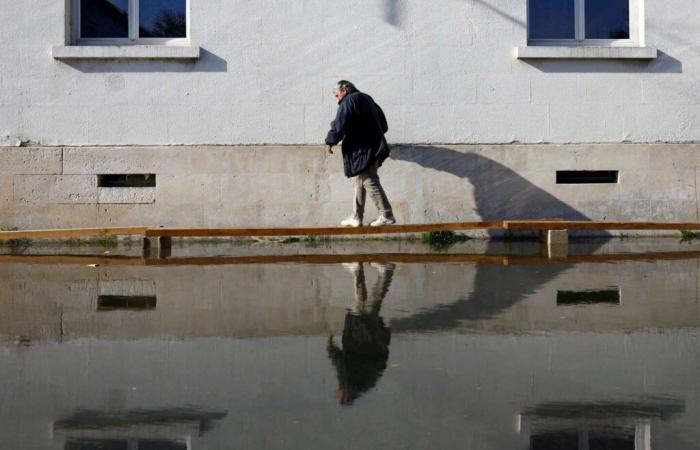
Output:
x=352 y=267
x=351 y=222
x=383 y=220
x=383 y=267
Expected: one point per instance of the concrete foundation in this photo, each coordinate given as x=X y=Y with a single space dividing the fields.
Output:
x=240 y=186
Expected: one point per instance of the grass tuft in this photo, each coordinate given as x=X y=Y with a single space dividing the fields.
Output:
x=442 y=240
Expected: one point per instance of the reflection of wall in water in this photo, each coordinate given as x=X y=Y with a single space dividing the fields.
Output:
x=447 y=391
x=61 y=302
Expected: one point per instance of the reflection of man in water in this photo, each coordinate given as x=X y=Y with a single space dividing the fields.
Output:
x=366 y=339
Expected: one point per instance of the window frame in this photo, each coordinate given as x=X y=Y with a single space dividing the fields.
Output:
x=636 y=23
x=133 y=38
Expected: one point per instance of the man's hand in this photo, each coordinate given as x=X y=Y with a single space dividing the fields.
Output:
x=329 y=149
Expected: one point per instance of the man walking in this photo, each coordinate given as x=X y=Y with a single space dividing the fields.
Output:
x=360 y=124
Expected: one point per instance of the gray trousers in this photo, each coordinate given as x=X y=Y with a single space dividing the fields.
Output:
x=371 y=305
x=369 y=181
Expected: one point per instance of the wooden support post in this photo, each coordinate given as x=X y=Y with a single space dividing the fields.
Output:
x=557 y=243
x=160 y=246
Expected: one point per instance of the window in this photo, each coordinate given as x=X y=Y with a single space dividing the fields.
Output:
x=584 y=22
x=122 y=22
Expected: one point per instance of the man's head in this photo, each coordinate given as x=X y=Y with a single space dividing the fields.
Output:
x=343 y=88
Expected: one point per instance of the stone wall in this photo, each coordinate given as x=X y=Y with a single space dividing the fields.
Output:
x=303 y=186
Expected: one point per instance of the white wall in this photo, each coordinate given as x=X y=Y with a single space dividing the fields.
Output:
x=444 y=71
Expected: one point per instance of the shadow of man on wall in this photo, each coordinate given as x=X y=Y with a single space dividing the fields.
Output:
x=499 y=193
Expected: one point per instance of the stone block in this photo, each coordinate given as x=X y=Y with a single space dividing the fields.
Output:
x=6 y=190
x=626 y=158
x=38 y=189
x=39 y=216
x=30 y=160
x=280 y=189
x=267 y=124
x=56 y=124
x=671 y=90
x=659 y=185
x=195 y=188
x=126 y=195
x=146 y=124
x=560 y=88
x=505 y=89
x=106 y=160
x=317 y=119
x=583 y=122
x=213 y=124
x=528 y=123
x=661 y=122
x=677 y=211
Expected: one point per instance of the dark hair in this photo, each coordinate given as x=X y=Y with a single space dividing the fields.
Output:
x=345 y=85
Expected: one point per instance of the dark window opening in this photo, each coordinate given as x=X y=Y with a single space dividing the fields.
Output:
x=125 y=302
x=587 y=176
x=162 y=18
x=607 y=19
x=606 y=296
x=551 y=19
x=134 y=180
x=104 y=18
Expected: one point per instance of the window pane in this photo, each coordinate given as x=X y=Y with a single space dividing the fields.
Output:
x=551 y=19
x=162 y=18
x=104 y=18
x=607 y=19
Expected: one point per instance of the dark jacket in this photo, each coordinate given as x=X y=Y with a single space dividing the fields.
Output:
x=360 y=124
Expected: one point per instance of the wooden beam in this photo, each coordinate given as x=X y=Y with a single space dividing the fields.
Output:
x=321 y=231
x=549 y=224
x=71 y=233
x=592 y=225
x=72 y=260
x=409 y=258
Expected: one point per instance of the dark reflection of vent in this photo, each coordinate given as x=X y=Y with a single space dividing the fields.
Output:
x=132 y=444
x=588 y=297
x=622 y=438
x=128 y=302
x=96 y=444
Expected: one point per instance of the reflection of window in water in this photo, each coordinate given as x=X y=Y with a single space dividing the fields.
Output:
x=614 y=438
x=362 y=360
x=166 y=429
x=596 y=426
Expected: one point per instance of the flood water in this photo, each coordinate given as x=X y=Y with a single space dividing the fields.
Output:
x=353 y=350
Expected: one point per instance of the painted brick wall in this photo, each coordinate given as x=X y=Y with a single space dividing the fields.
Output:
x=443 y=70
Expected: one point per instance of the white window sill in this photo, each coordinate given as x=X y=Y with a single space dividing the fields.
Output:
x=588 y=52
x=177 y=52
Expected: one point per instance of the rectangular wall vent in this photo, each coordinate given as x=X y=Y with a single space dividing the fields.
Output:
x=589 y=297
x=125 y=302
x=129 y=180
x=586 y=176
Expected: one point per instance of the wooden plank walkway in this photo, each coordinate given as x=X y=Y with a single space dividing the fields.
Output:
x=593 y=225
x=321 y=231
x=71 y=233
x=537 y=225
